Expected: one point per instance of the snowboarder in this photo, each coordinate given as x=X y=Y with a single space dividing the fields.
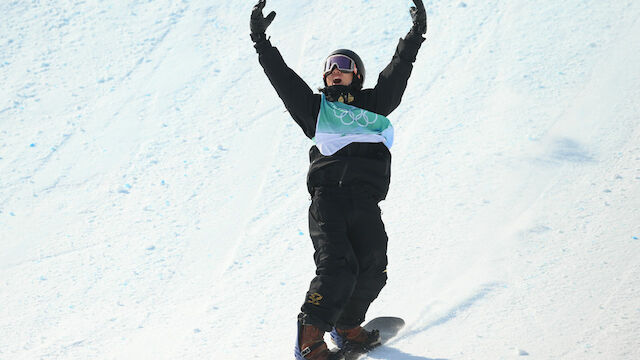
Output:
x=348 y=176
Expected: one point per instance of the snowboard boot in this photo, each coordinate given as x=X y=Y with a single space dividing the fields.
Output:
x=356 y=339
x=310 y=344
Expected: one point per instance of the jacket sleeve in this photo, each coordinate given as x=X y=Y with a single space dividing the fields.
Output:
x=303 y=105
x=392 y=81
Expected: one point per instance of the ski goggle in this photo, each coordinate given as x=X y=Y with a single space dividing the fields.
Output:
x=342 y=62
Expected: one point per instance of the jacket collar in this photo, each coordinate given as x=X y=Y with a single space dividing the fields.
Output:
x=340 y=93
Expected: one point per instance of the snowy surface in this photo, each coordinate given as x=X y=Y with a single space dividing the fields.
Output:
x=152 y=187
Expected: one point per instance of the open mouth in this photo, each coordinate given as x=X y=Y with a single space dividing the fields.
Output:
x=337 y=81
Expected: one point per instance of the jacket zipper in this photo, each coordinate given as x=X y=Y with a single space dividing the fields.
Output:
x=344 y=172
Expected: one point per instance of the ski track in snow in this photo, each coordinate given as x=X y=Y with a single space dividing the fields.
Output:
x=153 y=200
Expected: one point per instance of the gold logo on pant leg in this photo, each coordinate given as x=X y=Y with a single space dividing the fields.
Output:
x=314 y=299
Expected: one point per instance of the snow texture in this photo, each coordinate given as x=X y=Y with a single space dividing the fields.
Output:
x=152 y=186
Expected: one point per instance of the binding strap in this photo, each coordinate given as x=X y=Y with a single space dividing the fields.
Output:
x=309 y=349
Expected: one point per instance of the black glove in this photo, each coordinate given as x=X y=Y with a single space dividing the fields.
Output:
x=259 y=23
x=419 y=17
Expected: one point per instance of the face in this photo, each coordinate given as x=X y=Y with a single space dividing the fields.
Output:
x=337 y=77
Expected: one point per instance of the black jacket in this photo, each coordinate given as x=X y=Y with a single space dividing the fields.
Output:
x=358 y=165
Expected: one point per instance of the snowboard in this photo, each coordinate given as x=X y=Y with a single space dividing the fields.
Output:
x=387 y=325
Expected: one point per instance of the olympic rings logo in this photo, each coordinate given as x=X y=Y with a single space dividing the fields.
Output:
x=348 y=117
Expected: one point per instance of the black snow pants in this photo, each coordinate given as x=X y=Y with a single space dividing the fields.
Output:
x=350 y=254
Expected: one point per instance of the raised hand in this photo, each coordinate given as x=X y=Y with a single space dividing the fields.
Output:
x=419 y=17
x=259 y=23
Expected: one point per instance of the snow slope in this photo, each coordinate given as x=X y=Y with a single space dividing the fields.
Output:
x=152 y=187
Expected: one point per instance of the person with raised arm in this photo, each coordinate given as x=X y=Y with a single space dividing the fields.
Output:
x=349 y=174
